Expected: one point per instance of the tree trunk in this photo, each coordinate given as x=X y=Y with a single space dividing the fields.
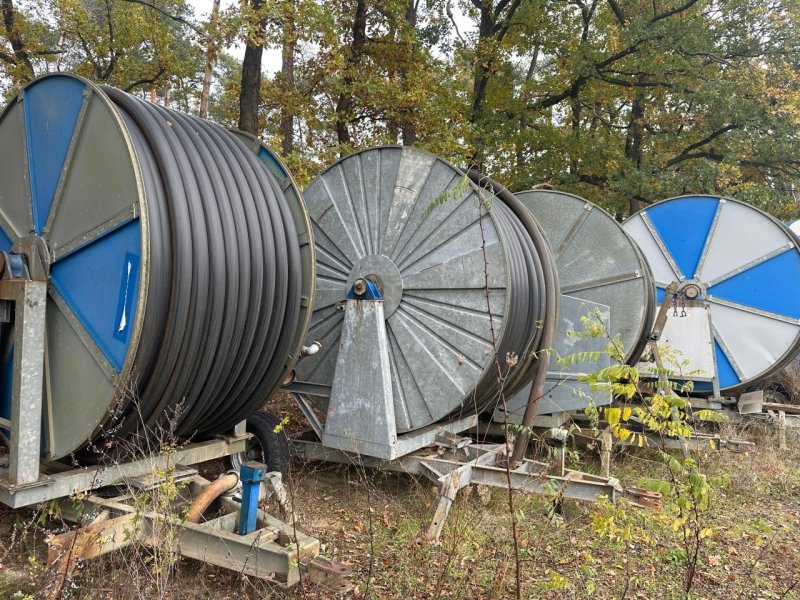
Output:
x=8 y=13
x=211 y=59
x=287 y=77
x=408 y=128
x=481 y=81
x=633 y=143
x=250 y=93
x=345 y=103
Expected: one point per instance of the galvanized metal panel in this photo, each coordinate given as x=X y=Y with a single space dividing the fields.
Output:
x=597 y=261
x=15 y=202
x=563 y=391
x=361 y=414
x=100 y=183
x=404 y=211
x=78 y=391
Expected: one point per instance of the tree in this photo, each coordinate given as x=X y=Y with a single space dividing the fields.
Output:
x=251 y=68
x=631 y=105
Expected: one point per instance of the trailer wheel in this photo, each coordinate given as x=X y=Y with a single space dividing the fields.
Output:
x=267 y=445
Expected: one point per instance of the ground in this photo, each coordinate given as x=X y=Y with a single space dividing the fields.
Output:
x=375 y=521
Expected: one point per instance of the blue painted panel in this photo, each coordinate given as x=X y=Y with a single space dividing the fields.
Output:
x=270 y=161
x=727 y=376
x=773 y=285
x=6 y=388
x=100 y=282
x=5 y=241
x=683 y=225
x=661 y=293
x=51 y=107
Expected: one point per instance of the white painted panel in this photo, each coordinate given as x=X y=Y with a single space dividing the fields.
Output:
x=686 y=346
x=662 y=271
x=755 y=342
x=742 y=235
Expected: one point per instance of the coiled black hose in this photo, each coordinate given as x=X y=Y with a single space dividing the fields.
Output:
x=549 y=300
x=533 y=306
x=223 y=301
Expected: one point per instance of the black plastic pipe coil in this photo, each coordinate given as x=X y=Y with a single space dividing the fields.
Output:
x=534 y=300
x=223 y=301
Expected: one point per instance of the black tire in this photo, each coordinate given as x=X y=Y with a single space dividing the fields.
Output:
x=266 y=445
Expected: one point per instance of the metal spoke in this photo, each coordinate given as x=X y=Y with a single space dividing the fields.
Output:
x=84 y=335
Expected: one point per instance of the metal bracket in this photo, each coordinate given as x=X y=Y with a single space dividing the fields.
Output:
x=25 y=439
x=360 y=415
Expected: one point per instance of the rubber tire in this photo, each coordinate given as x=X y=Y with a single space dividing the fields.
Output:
x=274 y=445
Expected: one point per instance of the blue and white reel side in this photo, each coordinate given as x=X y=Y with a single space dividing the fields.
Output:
x=76 y=186
x=744 y=264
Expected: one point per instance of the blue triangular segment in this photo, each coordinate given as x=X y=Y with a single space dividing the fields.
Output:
x=5 y=241
x=727 y=376
x=661 y=293
x=273 y=165
x=51 y=107
x=683 y=225
x=773 y=286
x=100 y=283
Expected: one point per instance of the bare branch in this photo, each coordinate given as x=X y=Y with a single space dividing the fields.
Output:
x=674 y=11
x=686 y=153
x=448 y=8
x=175 y=18
x=617 y=10
x=147 y=80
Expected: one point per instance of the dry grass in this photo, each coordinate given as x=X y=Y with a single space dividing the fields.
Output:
x=374 y=521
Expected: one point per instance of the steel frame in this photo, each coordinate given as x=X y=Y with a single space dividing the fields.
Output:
x=274 y=551
x=457 y=463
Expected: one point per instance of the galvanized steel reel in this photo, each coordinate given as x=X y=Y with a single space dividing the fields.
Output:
x=458 y=281
x=743 y=266
x=597 y=261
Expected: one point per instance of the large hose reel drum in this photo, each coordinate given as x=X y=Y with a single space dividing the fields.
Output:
x=598 y=263
x=177 y=255
x=742 y=267
x=461 y=279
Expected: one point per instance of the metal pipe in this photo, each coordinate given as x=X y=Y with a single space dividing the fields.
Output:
x=210 y=493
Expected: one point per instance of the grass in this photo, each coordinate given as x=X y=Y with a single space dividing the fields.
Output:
x=375 y=522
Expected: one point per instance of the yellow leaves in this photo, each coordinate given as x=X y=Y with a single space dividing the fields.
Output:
x=613 y=415
x=679 y=522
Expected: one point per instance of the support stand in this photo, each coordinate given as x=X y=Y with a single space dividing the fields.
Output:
x=267 y=548
x=461 y=464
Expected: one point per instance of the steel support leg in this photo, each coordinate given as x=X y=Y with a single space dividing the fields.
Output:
x=30 y=300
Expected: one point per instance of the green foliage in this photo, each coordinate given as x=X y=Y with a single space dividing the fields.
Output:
x=664 y=415
x=620 y=102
